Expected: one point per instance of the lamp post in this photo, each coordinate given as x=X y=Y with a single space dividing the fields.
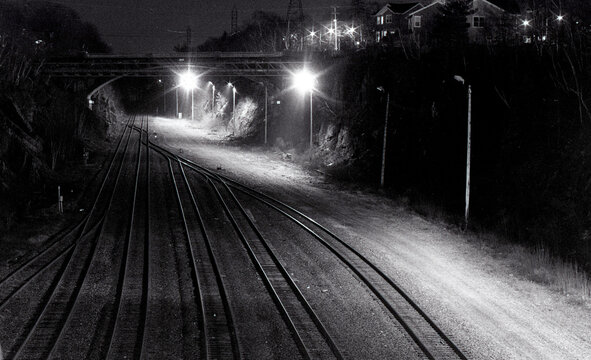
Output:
x=188 y=81
x=311 y=120
x=212 y=97
x=266 y=112
x=468 y=149
x=233 y=103
x=383 y=170
x=305 y=81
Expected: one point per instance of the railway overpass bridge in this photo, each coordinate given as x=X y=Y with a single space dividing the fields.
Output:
x=205 y=64
x=159 y=65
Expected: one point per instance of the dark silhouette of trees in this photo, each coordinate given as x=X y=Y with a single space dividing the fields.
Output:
x=48 y=27
x=40 y=124
x=451 y=27
x=264 y=32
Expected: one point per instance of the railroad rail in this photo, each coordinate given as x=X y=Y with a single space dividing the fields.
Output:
x=429 y=338
x=59 y=277
x=42 y=326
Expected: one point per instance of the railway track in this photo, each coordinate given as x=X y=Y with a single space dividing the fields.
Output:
x=128 y=319
x=219 y=339
x=428 y=337
x=99 y=288
x=40 y=332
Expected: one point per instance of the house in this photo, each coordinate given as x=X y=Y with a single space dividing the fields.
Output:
x=390 y=19
x=421 y=20
x=492 y=20
x=488 y=19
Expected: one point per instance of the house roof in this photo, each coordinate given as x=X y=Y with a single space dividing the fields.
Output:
x=416 y=11
x=398 y=8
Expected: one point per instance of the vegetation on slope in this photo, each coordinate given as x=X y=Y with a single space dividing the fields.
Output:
x=41 y=125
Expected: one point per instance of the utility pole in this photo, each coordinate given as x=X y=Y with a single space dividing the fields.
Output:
x=234 y=25
x=188 y=39
x=359 y=16
x=384 y=146
x=336 y=32
x=266 y=118
x=295 y=21
x=468 y=155
x=192 y=106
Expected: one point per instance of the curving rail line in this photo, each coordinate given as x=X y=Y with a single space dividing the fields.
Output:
x=71 y=253
x=308 y=331
x=430 y=339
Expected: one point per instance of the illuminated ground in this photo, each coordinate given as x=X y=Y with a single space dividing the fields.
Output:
x=468 y=287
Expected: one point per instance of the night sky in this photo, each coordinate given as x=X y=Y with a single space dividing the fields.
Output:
x=154 y=26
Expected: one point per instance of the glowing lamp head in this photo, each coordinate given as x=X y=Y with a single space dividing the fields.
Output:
x=188 y=80
x=560 y=17
x=304 y=81
x=525 y=23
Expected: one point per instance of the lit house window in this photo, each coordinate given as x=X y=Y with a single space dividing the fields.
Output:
x=378 y=37
x=416 y=21
x=380 y=20
x=388 y=19
x=478 y=21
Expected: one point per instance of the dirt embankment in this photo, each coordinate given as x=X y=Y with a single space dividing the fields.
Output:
x=49 y=138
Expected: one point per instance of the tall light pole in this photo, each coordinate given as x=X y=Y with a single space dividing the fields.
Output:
x=192 y=106
x=212 y=97
x=188 y=81
x=336 y=32
x=176 y=93
x=468 y=149
x=381 y=88
x=233 y=103
x=266 y=112
x=305 y=81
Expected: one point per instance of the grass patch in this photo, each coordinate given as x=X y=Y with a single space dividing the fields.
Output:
x=564 y=276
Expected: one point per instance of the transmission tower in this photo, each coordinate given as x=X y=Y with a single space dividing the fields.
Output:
x=295 y=24
x=234 y=27
x=358 y=10
x=189 y=39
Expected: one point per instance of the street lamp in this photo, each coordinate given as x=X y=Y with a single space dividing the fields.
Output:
x=381 y=88
x=233 y=102
x=266 y=105
x=212 y=96
x=468 y=148
x=188 y=81
x=304 y=81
